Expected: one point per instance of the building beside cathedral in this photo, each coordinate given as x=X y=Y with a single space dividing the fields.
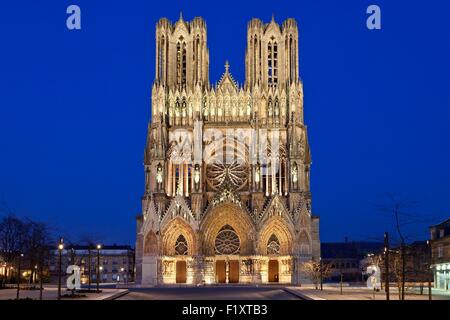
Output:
x=227 y=166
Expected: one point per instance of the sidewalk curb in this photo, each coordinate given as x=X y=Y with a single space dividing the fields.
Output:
x=117 y=295
x=301 y=295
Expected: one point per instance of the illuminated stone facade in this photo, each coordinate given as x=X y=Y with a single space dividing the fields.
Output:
x=227 y=196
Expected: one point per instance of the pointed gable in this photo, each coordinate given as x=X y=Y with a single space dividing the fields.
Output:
x=275 y=207
x=226 y=83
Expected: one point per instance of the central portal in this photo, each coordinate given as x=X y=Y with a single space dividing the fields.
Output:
x=221 y=271
x=233 y=271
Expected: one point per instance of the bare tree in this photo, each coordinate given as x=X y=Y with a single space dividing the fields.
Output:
x=400 y=210
x=39 y=240
x=316 y=271
x=90 y=241
x=24 y=236
x=12 y=241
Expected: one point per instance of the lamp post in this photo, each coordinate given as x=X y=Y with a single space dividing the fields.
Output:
x=321 y=274
x=122 y=272
x=386 y=264
x=99 y=246
x=18 y=275
x=430 y=272
x=35 y=275
x=89 y=266
x=60 y=249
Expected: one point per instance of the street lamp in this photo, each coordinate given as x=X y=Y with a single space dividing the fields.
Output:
x=35 y=274
x=99 y=246
x=430 y=272
x=321 y=275
x=386 y=264
x=18 y=274
x=89 y=266
x=60 y=249
x=122 y=272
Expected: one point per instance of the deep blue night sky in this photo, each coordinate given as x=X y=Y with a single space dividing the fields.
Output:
x=74 y=107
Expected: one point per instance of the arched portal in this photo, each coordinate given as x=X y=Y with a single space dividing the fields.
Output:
x=178 y=238
x=277 y=234
x=234 y=224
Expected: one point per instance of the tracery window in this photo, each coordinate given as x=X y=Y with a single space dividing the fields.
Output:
x=181 y=62
x=255 y=46
x=161 y=58
x=272 y=63
x=273 y=245
x=221 y=166
x=181 y=247
x=178 y=62
x=269 y=62
x=227 y=241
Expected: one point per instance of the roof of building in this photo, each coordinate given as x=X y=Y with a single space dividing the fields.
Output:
x=104 y=247
x=349 y=250
x=442 y=224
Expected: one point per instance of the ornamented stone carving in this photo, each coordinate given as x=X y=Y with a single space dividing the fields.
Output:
x=236 y=171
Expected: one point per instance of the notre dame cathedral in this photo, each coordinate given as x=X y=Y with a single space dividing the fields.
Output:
x=227 y=166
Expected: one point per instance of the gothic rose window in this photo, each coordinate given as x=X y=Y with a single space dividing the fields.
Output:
x=273 y=245
x=181 y=247
x=236 y=171
x=227 y=241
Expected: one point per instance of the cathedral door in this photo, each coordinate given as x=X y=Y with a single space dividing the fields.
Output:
x=221 y=271
x=234 y=271
x=273 y=271
x=181 y=272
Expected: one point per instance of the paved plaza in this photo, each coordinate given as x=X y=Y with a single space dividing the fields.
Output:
x=51 y=293
x=362 y=293
x=211 y=293
x=230 y=292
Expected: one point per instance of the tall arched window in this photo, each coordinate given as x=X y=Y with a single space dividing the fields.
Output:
x=196 y=58
x=177 y=179
x=275 y=64
x=178 y=63
x=272 y=63
x=255 y=55
x=269 y=64
x=183 y=71
x=181 y=62
x=291 y=58
x=181 y=247
x=161 y=59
